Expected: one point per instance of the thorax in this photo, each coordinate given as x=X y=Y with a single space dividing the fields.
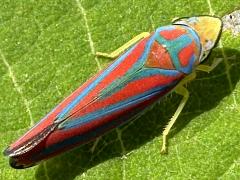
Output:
x=174 y=47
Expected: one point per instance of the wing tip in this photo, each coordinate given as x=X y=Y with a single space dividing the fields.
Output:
x=13 y=162
x=7 y=151
x=28 y=145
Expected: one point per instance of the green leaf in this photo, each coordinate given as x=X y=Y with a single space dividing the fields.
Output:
x=47 y=50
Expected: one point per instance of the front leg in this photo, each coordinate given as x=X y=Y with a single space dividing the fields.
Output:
x=216 y=62
x=207 y=68
x=124 y=47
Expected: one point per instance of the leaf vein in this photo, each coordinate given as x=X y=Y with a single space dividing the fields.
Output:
x=89 y=34
x=17 y=87
x=224 y=58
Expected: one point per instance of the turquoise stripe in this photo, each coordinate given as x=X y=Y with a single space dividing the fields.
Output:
x=143 y=73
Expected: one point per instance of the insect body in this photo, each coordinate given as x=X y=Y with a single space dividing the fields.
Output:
x=152 y=66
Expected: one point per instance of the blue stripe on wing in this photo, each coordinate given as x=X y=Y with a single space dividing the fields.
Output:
x=147 y=72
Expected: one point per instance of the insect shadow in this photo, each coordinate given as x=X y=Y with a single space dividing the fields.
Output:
x=205 y=94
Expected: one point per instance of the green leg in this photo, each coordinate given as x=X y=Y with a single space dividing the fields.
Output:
x=216 y=62
x=184 y=92
x=207 y=68
x=121 y=49
x=95 y=144
x=181 y=90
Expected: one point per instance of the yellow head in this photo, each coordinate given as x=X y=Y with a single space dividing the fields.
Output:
x=208 y=28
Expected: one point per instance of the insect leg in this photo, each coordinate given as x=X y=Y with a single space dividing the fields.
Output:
x=95 y=144
x=216 y=62
x=207 y=68
x=184 y=92
x=121 y=49
x=181 y=90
